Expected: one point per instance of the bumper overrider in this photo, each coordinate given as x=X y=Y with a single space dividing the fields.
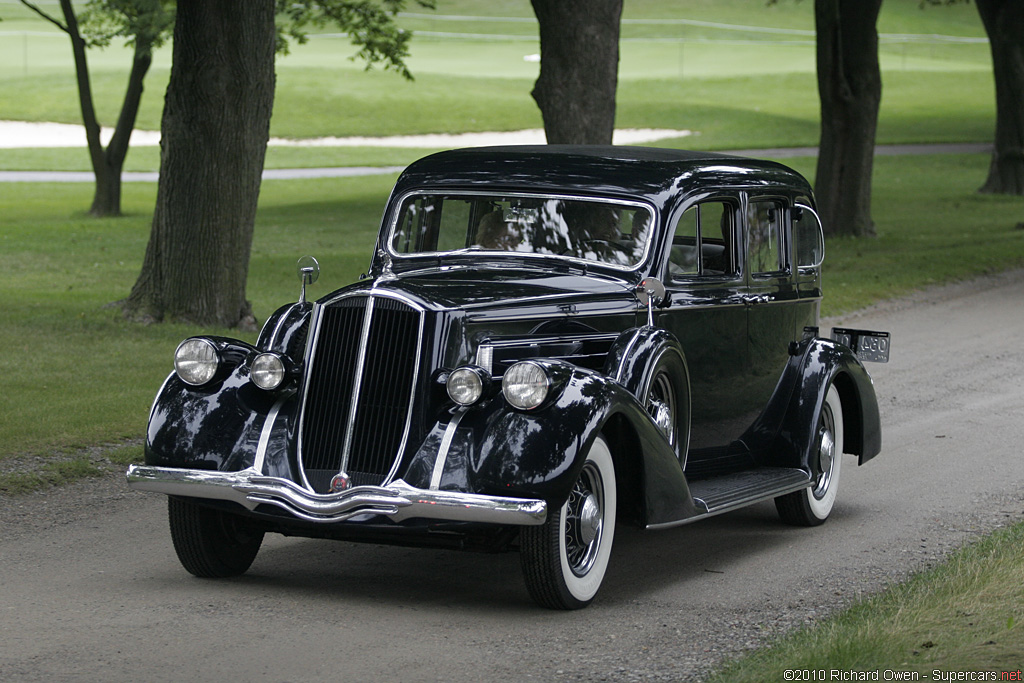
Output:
x=397 y=501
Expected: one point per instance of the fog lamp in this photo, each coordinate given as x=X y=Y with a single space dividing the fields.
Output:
x=267 y=371
x=466 y=385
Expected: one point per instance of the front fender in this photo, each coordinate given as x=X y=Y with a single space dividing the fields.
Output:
x=497 y=450
x=217 y=427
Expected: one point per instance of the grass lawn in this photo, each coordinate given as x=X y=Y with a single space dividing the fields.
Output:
x=966 y=615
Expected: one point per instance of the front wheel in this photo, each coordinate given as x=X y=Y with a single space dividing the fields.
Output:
x=565 y=559
x=665 y=397
x=211 y=543
x=811 y=506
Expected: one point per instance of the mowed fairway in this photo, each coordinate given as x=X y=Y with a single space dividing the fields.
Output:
x=737 y=76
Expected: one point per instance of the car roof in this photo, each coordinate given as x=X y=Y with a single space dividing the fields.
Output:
x=658 y=175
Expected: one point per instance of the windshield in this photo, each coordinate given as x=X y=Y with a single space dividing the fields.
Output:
x=609 y=232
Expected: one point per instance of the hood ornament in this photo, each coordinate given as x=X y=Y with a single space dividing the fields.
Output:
x=309 y=271
x=386 y=272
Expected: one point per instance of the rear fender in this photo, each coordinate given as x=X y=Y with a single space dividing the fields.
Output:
x=818 y=364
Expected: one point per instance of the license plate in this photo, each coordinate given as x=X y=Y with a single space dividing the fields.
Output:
x=867 y=346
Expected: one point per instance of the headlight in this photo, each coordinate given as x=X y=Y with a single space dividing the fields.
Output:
x=525 y=385
x=466 y=385
x=196 y=361
x=267 y=371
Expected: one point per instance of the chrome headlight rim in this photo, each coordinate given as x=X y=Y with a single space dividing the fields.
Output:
x=526 y=385
x=268 y=370
x=197 y=361
x=466 y=385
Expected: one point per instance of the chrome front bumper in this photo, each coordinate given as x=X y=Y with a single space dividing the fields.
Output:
x=398 y=501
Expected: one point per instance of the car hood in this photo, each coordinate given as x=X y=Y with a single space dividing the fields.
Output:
x=477 y=290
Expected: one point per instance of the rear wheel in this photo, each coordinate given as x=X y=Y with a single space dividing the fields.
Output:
x=811 y=506
x=565 y=559
x=211 y=543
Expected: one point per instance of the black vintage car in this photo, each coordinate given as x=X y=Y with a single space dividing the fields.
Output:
x=549 y=341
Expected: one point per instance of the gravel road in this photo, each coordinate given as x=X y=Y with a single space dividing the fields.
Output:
x=90 y=589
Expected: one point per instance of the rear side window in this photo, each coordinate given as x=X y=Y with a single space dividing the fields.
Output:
x=807 y=233
x=765 y=253
x=702 y=243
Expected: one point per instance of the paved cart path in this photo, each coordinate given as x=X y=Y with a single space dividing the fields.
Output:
x=454 y=141
x=90 y=589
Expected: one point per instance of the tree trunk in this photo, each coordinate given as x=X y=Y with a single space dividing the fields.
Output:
x=215 y=127
x=89 y=120
x=579 y=49
x=107 y=200
x=850 y=87
x=106 y=164
x=1004 y=23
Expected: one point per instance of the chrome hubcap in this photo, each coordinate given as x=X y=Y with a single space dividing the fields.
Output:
x=826 y=454
x=662 y=416
x=661 y=406
x=590 y=519
x=584 y=521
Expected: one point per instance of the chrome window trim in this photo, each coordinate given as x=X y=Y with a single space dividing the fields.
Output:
x=393 y=225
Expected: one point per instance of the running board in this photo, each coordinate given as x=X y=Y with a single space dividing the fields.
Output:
x=716 y=495
x=722 y=494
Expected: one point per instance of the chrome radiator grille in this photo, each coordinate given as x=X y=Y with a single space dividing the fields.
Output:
x=359 y=390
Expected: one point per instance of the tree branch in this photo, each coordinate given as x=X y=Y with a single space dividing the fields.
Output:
x=46 y=16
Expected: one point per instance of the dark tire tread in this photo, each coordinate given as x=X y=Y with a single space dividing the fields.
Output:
x=540 y=543
x=210 y=543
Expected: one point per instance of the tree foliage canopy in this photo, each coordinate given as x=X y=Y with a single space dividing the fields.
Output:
x=370 y=24
x=138 y=22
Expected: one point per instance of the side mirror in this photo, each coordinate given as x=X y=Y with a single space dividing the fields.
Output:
x=651 y=293
x=309 y=272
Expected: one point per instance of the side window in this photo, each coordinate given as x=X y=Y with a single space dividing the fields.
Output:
x=810 y=240
x=683 y=259
x=702 y=241
x=765 y=252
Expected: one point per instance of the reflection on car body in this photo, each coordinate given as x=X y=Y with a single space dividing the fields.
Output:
x=550 y=341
